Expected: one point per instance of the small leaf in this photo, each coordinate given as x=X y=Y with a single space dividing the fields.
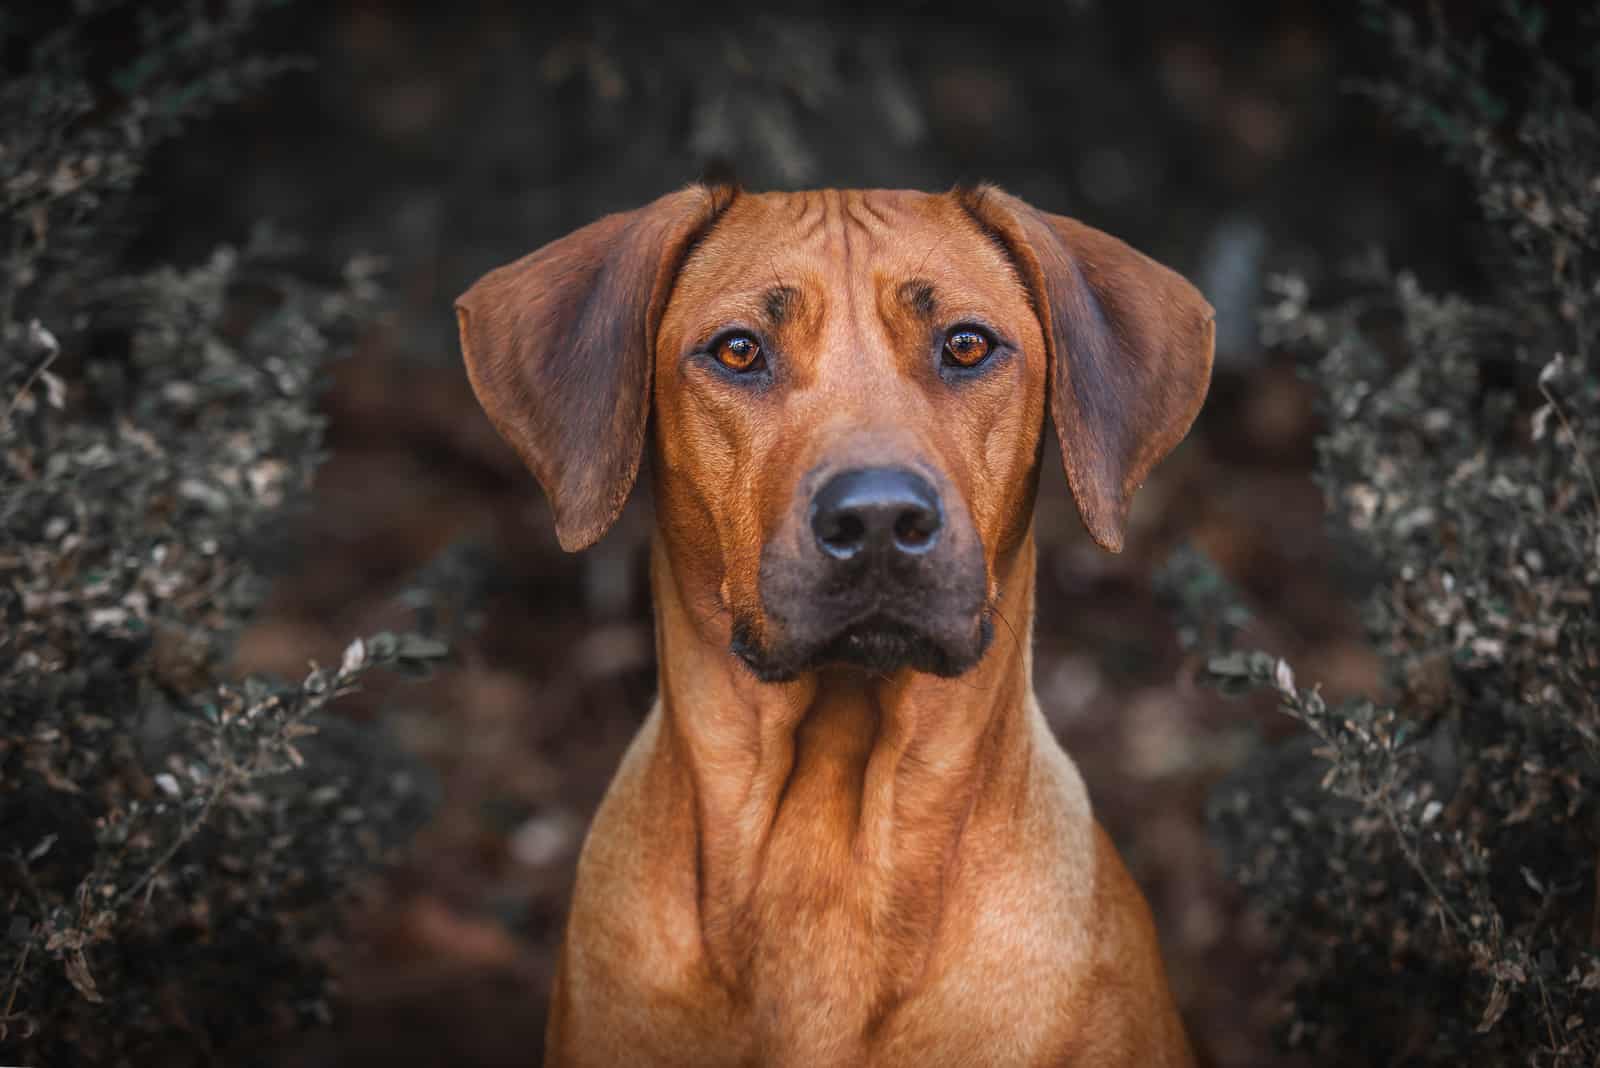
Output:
x=55 y=390
x=41 y=848
x=355 y=655
x=1551 y=369
x=1499 y=1001
x=40 y=337
x=383 y=646
x=1234 y=685
x=419 y=647
x=77 y=968
x=1541 y=421
x=1232 y=665
x=1283 y=678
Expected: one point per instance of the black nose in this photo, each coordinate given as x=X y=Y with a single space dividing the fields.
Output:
x=881 y=510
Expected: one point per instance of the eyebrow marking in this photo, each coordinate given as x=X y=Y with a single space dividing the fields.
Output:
x=917 y=294
x=779 y=301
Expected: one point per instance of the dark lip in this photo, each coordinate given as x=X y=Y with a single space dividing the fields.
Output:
x=877 y=634
x=877 y=643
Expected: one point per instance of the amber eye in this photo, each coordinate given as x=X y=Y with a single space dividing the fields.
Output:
x=739 y=352
x=966 y=347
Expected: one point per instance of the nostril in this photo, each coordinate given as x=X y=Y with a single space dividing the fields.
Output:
x=915 y=528
x=843 y=534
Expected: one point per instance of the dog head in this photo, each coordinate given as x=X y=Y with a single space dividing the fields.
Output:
x=849 y=391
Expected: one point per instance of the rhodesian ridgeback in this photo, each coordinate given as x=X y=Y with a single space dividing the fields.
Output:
x=845 y=835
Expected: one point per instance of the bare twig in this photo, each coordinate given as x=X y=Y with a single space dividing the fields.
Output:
x=1577 y=447
x=12 y=987
x=44 y=365
x=220 y=786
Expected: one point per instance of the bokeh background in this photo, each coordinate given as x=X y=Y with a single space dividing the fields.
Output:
x=1221 y=138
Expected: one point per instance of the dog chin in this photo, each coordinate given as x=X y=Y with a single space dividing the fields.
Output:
x=878 y=645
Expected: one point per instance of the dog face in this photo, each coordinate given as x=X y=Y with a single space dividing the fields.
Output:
x=849 y=389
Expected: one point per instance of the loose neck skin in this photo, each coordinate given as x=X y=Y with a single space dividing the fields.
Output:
x=837 y=801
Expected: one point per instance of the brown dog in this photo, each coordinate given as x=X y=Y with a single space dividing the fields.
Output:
x=845 y=834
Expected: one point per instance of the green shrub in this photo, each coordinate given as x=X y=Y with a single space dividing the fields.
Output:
x=1428 y=855
x=171 y=839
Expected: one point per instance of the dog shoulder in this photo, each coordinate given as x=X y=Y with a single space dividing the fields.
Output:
x=632 y=955
x=1126 y=1015
x=634 y=894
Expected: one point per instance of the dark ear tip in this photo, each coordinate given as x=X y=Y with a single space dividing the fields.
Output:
x=575 y=537
x=574 y=542
x=1106 y=535
x=580 y=515
x=1104 y=514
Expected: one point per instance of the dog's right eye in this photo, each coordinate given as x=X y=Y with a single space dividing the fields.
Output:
x=967 y=347
x=739 y=352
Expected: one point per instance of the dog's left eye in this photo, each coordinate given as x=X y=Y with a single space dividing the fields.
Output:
x=739 y=352
x=967 y=347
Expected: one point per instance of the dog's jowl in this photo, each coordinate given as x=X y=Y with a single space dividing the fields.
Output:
x=844 y=834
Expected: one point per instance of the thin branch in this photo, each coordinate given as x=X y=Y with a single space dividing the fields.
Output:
x=12 y=987
x=220 y=786
x=1577 y=449
x=44 y=365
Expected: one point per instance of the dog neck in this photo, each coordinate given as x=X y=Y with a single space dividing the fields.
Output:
x=837 y=804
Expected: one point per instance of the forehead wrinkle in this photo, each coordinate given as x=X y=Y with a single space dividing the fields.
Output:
x=842 y=220
x=866 y=205
x=879 y=219
x=859 y=211
x=746 y=268
x=813 y=215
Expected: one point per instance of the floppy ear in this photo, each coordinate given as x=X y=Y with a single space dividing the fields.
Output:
x=558 y=348
x=1130 y=346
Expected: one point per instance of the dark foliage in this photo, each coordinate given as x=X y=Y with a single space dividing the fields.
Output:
x=1428 y=855
x=172 y=840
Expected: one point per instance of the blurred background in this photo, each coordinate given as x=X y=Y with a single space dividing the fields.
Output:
x=446 y=139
